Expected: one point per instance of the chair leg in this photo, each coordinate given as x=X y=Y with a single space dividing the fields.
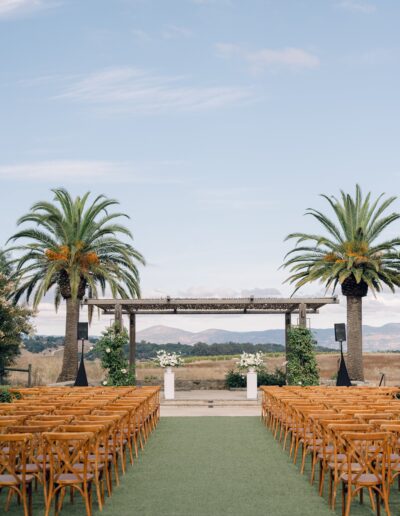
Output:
x=371 y=497
x=348 y=504
x=303 y=458
x=30 y=500
x=321 y=477
x=24 y=500
x=9 y=496
x=343 y=498
x=86 y=496
x=378 y=503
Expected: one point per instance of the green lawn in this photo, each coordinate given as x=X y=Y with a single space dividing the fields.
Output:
x=211 y=466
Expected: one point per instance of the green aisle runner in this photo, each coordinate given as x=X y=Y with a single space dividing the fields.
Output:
x=214 y=466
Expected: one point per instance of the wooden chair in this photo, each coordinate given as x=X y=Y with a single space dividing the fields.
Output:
x=113 y=423
x=13 y=473
x=371 y=452
x=98 y=457
x=336 y=457
x=67 y=452
x=35 y=465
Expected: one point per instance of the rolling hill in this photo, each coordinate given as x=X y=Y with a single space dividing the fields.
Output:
x=383 y=338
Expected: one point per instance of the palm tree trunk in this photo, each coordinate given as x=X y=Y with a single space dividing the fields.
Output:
x=70 y=357
x=354 y=338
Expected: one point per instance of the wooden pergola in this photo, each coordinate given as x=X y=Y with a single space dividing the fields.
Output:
x=212 y=306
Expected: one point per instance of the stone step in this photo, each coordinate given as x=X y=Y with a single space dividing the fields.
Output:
x=215 y=403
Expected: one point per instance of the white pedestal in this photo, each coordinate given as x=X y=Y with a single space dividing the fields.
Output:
x=251 y=385
x=169 y=384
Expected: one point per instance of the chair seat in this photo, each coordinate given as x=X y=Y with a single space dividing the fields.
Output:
x=35 y=468
x=71 y=478
x=340 y=457
x=345 y=467
x=10 y=480
x=366 y=479
x=102 y=456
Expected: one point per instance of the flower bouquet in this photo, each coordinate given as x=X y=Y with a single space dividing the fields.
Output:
x=166 y=359
x=251 y=361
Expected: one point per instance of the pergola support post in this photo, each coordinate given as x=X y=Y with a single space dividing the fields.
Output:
x=132 y=340
x=118 y=315
x=288 y=325
x=303 y=315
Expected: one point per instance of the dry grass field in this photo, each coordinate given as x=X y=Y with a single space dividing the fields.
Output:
x=45 y=368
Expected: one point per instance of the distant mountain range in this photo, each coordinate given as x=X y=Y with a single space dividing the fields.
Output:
x=383 y=338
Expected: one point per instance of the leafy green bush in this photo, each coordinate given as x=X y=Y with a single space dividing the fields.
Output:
x=236 y=379
x=302 y=366
x=276 y=378
x=110 y=349
x=7 y=396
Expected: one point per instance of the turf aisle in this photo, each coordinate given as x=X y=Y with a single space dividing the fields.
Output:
x=214 y=466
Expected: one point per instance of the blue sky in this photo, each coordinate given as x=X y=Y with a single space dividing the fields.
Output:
x=215 y=123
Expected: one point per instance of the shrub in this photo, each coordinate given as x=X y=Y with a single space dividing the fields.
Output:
x=7 y=396
x=110 y=348
x=276 y=378
x=302 y=363
x=235 y=379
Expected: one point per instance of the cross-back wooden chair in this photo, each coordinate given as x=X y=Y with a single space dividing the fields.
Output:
x=119 y=442
x=98 y=456
x=112 y=422
x=13 y=474
x=394 y=458
x=66 y=451
x=370 y=451
x=336 y=461
x=35 y=465
x=327 y=449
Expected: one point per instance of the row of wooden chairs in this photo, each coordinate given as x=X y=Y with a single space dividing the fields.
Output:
x=72 y=440
x=350 y=435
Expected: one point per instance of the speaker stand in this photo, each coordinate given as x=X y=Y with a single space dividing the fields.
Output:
x=81 y=377
x=343 y=378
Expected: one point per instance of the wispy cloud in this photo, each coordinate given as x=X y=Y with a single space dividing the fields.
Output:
x=214 y=292
x=234 y=198
x=72 y=171
x=18 y=7
x=211 y=2
x=268 y=58
x=176 y=32
x=122 y=90
x=141 y=35
x=358 y=6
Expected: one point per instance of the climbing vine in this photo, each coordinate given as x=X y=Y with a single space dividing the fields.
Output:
x=302 y=366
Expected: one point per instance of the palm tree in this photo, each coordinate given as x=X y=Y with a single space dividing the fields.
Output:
x=74 y=248
x=350 y=253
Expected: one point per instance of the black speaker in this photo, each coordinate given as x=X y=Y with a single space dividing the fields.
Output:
x=83 y=330
x=340 y=332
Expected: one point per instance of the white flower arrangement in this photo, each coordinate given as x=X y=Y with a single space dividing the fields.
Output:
x=108 y=350
x=165 y=359
x=248 y=360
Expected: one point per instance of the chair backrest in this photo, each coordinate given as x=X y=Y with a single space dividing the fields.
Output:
x=6 y=423
x=370 y=450
x=65 y=450
x=72 y=411
x=13 y=455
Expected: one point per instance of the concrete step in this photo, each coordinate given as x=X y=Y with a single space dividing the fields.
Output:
x=206 y=403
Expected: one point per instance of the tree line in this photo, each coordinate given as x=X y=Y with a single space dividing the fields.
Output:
x=148 y=350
